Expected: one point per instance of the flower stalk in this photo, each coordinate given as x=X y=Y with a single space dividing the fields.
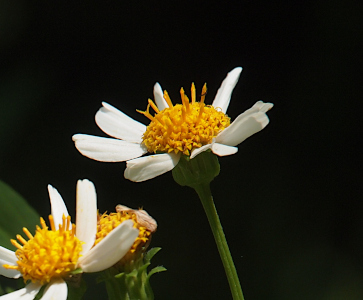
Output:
x=205 y=196
x=197 y=173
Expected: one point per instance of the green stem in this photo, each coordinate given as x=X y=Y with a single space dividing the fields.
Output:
x=205 y=196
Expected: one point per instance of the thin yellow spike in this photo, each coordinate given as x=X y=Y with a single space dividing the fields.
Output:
x=16 y=244
x=193 y=91
x=9 y=267
x=204 y=92
x=155 y=108
x=185 y=100
x=68 y=222
x=42 y=222
x=51 y=222
x=167 y=99
x=21 y=239
x=28 y=234
x=63 y=222
x=146 y=113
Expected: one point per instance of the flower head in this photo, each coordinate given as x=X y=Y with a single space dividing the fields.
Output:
x=174 y=130
x=53 y=253
x=141 y=220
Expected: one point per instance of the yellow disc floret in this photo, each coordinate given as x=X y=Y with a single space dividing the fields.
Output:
x=106 y=223
x=183 y=127
x=49 y=253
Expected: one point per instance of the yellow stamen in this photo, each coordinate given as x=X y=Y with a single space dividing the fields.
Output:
x=21 y=239
x=167 y=99
x=204 y=92
x=155 y=108
x=28 y=234
x=193 y=93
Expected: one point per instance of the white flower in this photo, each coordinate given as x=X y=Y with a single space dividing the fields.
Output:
x=76 y=247
x=188 y=128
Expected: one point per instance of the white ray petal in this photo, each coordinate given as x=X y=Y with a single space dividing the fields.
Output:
x=58 y=206
x=27 y=293
x=225 y=91
x=159 y=97
x=107 y=149
x=197 y=151
x=262 y=106
x=56 y=290
x=111 y=249
x=86 y=218
x=116 y=124
x=8 y=257
x=144 y=168
x=223 y=150
x=242 y=128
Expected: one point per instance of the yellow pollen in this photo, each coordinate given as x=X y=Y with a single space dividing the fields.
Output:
x=183 y=127
x=49 y=253
x=106 y=223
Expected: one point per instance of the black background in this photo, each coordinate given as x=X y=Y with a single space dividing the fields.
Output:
x=289 y=200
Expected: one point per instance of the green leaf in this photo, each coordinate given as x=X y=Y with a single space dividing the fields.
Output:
x=15 y=213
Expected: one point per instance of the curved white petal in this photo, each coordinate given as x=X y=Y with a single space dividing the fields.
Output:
x=8 y=257
x=242 y=128
x=58 y=206
x=107 y=149
x=197 y=151
x=144 y=168
x=86 y=218
x=225 y=91
x=223 y=150
x=159 y=97
x=111 y=249
x=27 y=293
x=56 y=290
x=116 y=124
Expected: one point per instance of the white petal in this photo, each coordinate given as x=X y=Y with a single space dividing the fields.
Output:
x=159 y=97
x=58 y=207
x=116 y=124
x=86 y=218
x=144 y=168
x=225 y=91
x=223 y=150
x=106 y=149
x=263 y=107
x=27 y=293
x=197 y=151
x=56 y=290
x=8 y=257
x=242 y=127
x=111 y=249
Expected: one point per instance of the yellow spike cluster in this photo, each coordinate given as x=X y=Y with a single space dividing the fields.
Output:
x=49 y=253
x=183 y=127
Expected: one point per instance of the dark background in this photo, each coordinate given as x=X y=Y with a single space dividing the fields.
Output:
x=289 y=200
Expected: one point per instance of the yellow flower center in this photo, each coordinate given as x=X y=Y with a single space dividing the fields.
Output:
x=106 y=223
x=183 y=127
x=49 y=253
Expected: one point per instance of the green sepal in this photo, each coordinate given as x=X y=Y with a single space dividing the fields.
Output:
x=200 y=170
x=133 y=283
x=76 y=271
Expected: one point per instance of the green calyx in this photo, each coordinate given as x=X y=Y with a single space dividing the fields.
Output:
x=200 y=170
x=133 y=283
